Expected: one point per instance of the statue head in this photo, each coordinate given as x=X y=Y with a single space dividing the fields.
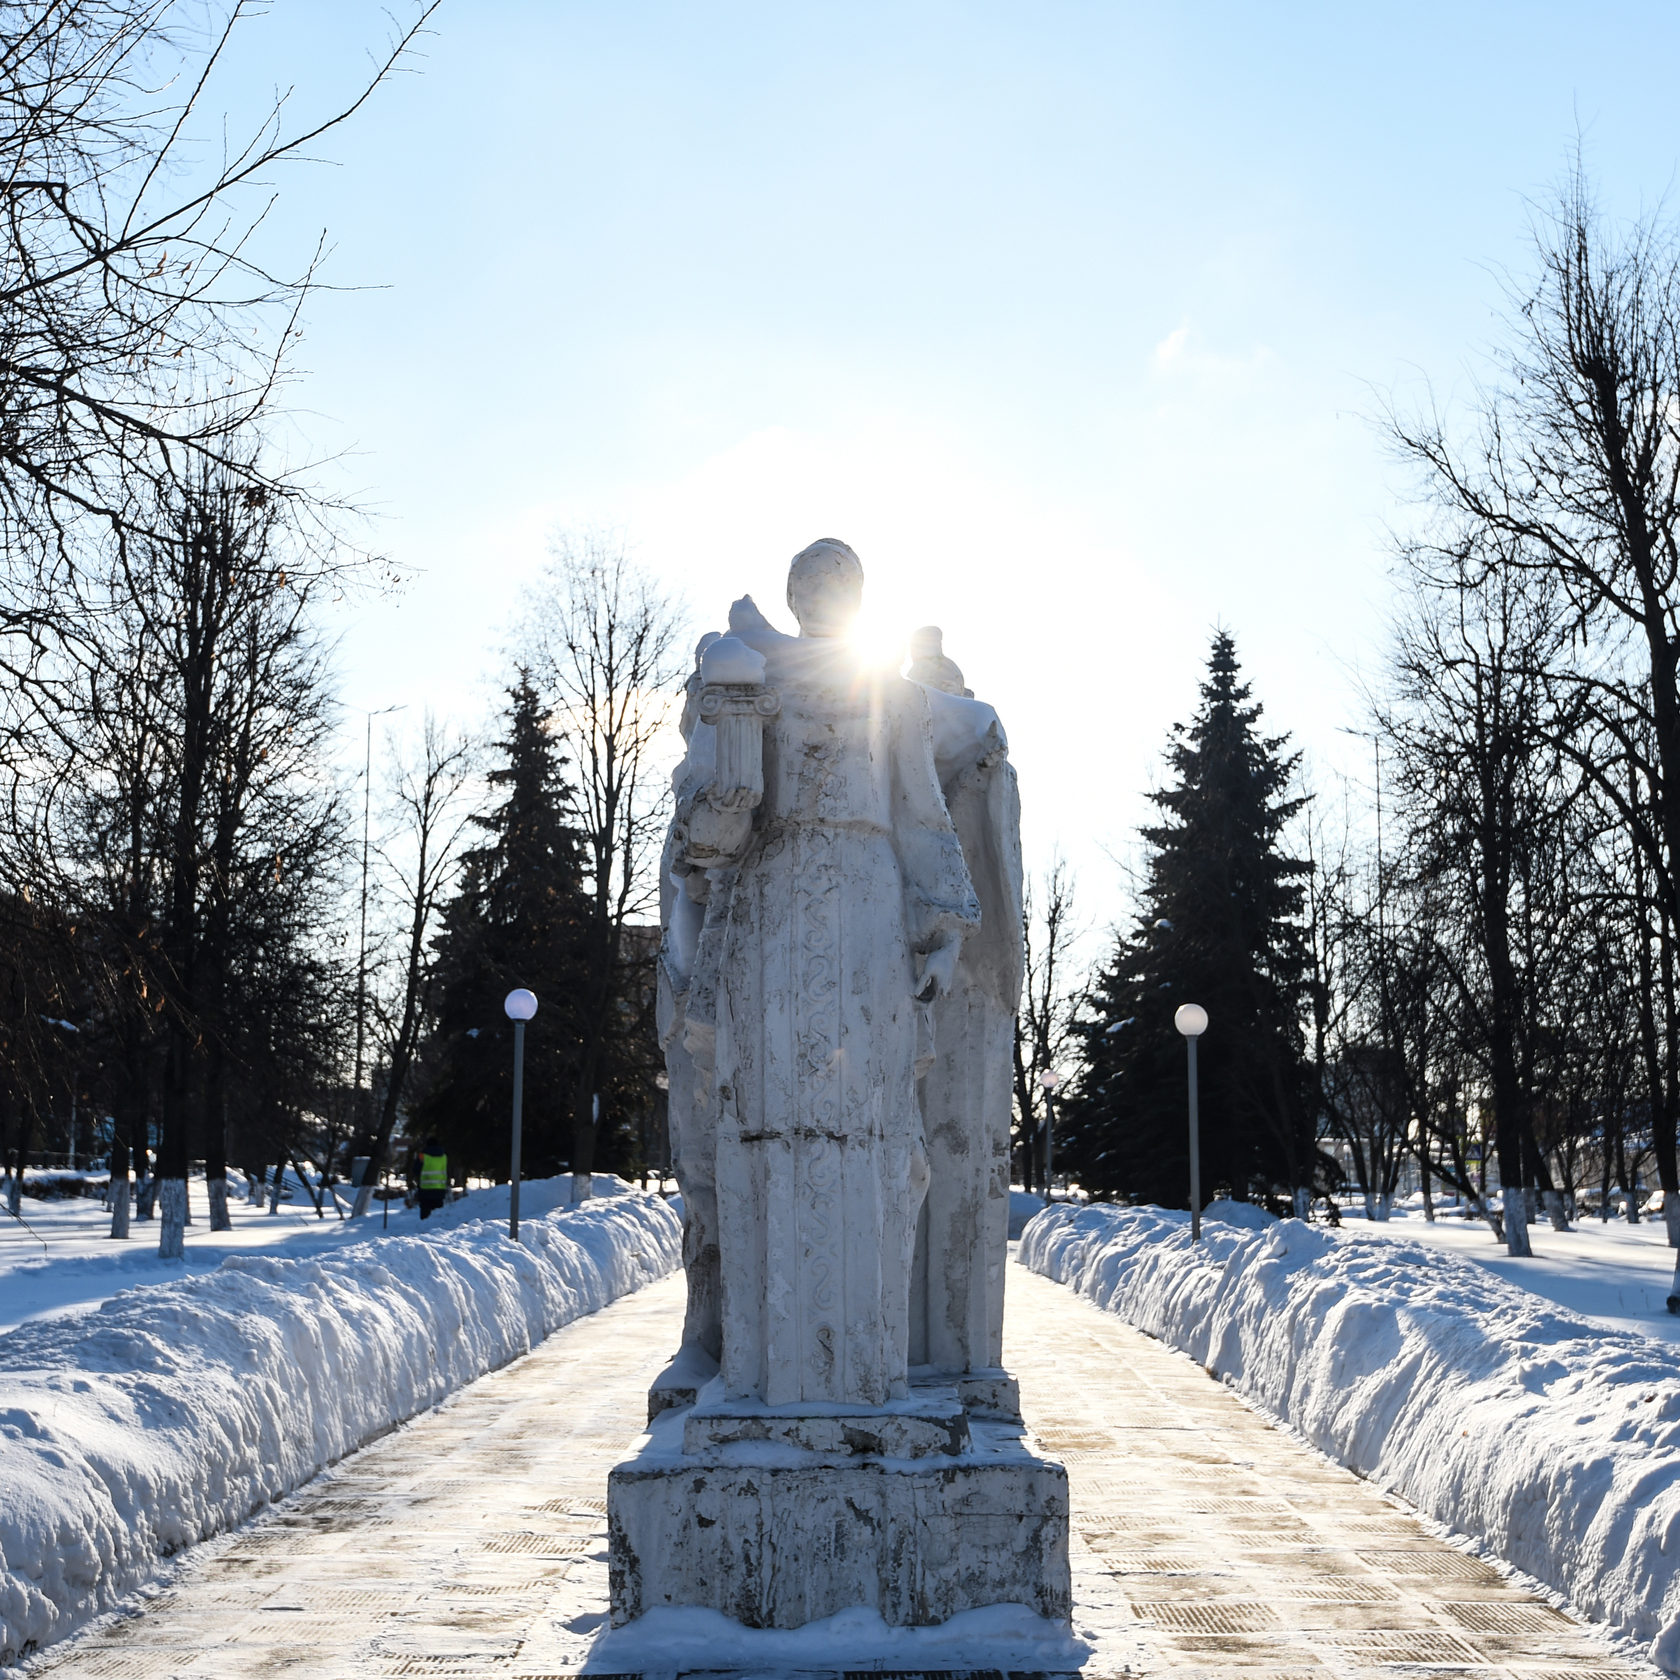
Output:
x=930 y=667
x=825 y=588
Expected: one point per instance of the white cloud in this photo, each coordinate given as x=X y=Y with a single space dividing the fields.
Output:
x=1183 y=353
x=1171 y=348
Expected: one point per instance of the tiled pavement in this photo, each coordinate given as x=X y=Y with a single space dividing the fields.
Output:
x=1206 y=1543
x=1236 y=1548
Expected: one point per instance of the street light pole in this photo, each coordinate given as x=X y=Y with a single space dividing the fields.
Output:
x=1049 y=1079
x=1191 y=1020
x=518 y=1127
x=361 y=947
x=520 y=1006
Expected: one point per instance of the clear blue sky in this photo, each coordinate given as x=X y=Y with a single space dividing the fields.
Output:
x=1067 y=316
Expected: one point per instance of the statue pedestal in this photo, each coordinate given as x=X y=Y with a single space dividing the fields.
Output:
x=778 y=1516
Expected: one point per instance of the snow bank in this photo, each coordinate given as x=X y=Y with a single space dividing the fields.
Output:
x=1551 y=1439
x=48 y=1182
x=1243 y=1214
x=173 y=1412
x=537 y=1196
x=1023 y=1205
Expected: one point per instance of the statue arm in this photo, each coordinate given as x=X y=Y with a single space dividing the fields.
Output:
x=985 y=805
x=732 y=709
x=965 y=732
x=939 y=902
x=711 y=825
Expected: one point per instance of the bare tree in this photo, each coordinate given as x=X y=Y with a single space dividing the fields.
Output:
x=603 y=642
x=191 y=824
x=1485 y=793
x=140 y=330
x=1574 y=471
x=144 y=333
x=1050 y=996
x=422 y=858
x=1357 y=1068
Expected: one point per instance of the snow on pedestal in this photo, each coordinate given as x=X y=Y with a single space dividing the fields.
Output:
x=840 y=967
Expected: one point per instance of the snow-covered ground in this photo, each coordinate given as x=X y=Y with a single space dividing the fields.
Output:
x=60 y=1257
x=1616 y=1273
x=1550 y=1438
x=170 y=1413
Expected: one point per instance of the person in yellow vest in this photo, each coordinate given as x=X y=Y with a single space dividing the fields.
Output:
x=434 y=1177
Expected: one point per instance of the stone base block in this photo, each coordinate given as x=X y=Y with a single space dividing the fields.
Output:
x=777 y=1537
x=931 y=1420
x=990 y=1394
x=680 y=1383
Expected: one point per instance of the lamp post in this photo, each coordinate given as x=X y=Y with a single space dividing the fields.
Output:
x=1191 y=1020
x=356 y=1104
x=520 y=1006
x=1049 y=1079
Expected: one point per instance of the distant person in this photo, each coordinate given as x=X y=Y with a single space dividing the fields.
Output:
x=434 y=1177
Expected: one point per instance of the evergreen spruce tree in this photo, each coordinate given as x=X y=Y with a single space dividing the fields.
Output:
x=518 y=920
x=1219 y=925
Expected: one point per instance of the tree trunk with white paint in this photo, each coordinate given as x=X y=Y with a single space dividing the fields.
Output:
x=172 y=1204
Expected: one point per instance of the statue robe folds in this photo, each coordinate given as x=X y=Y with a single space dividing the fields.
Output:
x=967 y=1094
x=691 y=1099
x=807 y=973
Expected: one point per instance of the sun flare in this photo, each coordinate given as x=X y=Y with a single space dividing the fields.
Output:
x=880 y=644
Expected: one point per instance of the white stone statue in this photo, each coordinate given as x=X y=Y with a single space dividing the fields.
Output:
x=967 y=1094
x=835 y=917
x=835 y=1002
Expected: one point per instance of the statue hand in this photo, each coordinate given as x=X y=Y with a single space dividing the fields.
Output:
x=744 y=615
x=734 y=799
x=936 y=971
x=716 y=836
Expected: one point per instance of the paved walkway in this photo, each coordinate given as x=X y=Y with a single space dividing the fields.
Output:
x=1206 y=1543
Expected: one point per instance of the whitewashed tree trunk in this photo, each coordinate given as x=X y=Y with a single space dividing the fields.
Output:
x=1555 y=1210
x=220 y=1218
x=119 y=1207
x=172 y=1204
x=1303 y=1201
x=583 y=1187
x=1370 y=1206
x=1516 y=1223
x=364 y=1195
x=14 y=1194
x=1385 y=1206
